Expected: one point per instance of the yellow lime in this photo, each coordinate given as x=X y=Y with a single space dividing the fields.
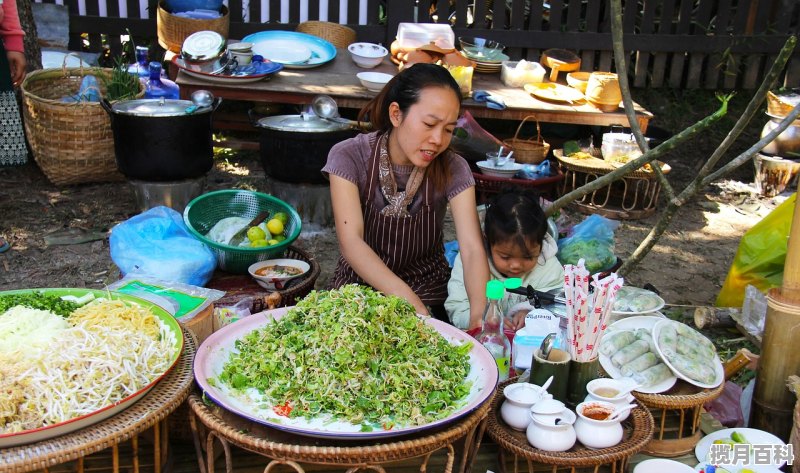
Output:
x=275 y=226
x=280 y=237
x=260 y=243
x=282 y=216
x=273 y=242
x=255 y=233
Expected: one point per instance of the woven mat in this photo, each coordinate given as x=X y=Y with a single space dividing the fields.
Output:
x=601 y=166
x=154 y=407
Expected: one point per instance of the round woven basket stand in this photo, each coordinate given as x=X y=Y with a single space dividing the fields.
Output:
x=72 y=143
x=677 y=417
x=338 y=35
x=173 y=30
x=531 y=150
x=638 y=433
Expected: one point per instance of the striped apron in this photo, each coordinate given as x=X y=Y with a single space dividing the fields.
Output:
x=412 y=246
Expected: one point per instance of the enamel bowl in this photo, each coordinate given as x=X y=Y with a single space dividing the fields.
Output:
x=275 y=274
x=367 y=55
x=374 y=81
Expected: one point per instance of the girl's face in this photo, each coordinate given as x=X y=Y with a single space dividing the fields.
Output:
x=513 y=261
x=425 y=130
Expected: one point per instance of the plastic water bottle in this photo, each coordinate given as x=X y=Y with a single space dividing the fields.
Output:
x=140 y=67
x=492 y=336
x=158 y=87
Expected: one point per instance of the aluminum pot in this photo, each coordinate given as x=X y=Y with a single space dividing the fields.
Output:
x=161 y=140
x=786 y=144
x=294 y=148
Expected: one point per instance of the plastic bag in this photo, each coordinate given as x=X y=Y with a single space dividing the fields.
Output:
x=592 y=240
x=157 y=243
x=183 y=301
x=471 y=141
x=727 y=408
x=226 y=315
x=760 y=257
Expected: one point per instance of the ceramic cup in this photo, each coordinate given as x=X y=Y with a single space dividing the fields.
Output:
x=610 y=390
x=557 y=366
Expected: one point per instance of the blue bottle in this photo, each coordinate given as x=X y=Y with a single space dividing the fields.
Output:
x=158 y=87
x=140 y=67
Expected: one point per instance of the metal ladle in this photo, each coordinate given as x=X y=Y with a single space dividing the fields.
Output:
x=201 y=99
x=326 y=108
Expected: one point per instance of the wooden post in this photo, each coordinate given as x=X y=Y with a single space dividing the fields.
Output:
x=773 y=403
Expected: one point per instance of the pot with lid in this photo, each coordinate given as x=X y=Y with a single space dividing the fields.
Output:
x=160 y=139
x=294 y=148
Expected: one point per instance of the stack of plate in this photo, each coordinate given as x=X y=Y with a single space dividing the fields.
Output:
x=487 y=65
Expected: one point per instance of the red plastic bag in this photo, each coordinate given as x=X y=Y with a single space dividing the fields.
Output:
x=471 y=141
x=727 y=408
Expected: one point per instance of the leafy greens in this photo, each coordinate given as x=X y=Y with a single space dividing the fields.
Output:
x=356 y=355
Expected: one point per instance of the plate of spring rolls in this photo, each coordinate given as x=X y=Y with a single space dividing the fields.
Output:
x=688 y=353
x=628 y=351
x=636 y=301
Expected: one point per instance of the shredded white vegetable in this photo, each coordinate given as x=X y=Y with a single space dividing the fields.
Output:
x=28 y=328
x=85 y=367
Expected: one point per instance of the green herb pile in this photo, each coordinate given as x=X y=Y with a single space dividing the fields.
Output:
x=38 y=300
x=355 y=354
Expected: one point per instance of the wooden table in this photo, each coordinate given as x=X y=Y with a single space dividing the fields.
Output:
x=150 y=411
x=338 y=79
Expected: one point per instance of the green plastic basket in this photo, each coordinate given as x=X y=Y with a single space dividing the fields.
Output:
x=205 y=211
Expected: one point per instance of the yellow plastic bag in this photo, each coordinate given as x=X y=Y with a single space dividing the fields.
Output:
x=760 y=257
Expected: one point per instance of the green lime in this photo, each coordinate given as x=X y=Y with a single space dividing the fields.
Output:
x=282 y=216
x=279 y=238
x=256 y=233
x=275 y=226
x=260 y=243
x=273 y=242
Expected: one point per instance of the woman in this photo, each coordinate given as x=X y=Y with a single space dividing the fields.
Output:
x=390 y=190
x=12 y=70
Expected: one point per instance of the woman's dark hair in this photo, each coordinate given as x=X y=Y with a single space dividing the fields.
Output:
x=515 y=215
x=405 y=89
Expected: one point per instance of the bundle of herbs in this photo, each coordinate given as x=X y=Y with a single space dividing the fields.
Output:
x=119 y=84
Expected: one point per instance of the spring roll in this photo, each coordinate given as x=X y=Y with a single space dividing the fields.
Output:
x=639 y=364
x=701 y=371
x=629 y=353
x=653 y=375
x=668 y=340
x=692 y=350
x=644 y=334
x=614 y=341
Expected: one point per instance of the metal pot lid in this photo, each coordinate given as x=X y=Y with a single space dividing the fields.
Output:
x=303 y=123
x=203 y=45
x=153 y=107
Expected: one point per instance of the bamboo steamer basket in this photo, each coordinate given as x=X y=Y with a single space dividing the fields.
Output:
x=173 y=30
x=603 y=91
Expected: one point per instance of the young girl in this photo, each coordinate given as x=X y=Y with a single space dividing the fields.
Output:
x=515 y=234
x=390 y=190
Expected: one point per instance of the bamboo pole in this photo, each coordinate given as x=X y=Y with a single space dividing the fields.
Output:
x=773 y=403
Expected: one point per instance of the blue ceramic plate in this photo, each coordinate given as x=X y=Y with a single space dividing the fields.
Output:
x=264 y=42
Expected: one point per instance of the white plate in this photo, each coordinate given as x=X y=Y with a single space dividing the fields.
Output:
x=322 y=51
x=718 y=369
x=613 y=371
x=284 y=51
x=754 y=436
x=637 y=321
x=507 y=171
x=654 y=301
x=215 y=350
x=701 y=468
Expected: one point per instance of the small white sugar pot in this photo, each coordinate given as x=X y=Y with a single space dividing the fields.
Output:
x=552 y=433
x=515 y=410
x=595 y=426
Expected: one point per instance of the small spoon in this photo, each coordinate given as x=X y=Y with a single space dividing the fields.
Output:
x=622 y=410
x=547 y=345
x=627 y=390
x=547 y=383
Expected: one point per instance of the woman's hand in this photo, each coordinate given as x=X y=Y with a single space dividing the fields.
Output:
x=16 y=62
x=517 y=320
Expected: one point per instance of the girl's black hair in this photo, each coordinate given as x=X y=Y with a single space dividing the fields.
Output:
x=515 y=215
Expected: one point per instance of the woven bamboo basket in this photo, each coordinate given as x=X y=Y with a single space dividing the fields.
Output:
x=339 y=35
x=71 y=142
x=173 y=30
x=531 y=150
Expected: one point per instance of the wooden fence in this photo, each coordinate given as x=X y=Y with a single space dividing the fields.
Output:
x=712 y=44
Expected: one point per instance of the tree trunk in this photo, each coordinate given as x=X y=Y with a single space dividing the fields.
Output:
x=33 y=52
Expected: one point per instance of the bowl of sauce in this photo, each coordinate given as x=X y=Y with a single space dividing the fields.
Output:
x=614 y=391
x=275 y=274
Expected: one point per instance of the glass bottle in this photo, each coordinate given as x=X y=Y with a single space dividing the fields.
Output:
x=492 y=336
x=158 y=87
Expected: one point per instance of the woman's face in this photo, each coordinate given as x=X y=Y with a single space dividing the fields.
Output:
x=425 y=130
x=513 y=261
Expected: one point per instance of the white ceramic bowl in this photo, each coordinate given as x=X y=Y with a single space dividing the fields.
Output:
x=374 y=81
x=660 y=465
x=265 y=275
x=506 y=171
x=367 y=55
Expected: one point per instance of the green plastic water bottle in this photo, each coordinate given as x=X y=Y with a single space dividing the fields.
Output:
x=492 y=336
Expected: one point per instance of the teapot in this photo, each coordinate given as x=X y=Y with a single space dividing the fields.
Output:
x=520 y=397
x=595 y=427
x=552 y=432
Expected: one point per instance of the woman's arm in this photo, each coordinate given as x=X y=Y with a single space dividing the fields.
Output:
x=473 y=255
x=365 y=262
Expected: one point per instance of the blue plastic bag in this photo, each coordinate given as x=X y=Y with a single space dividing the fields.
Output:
x=157 y=243
x=592 y=240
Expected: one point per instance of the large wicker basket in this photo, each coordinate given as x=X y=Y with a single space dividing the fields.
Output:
x=531 y=150
x=339 y=35
x=71 y=142
x=173 y=30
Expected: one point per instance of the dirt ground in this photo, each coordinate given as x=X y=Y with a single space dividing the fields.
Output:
x=59 y=236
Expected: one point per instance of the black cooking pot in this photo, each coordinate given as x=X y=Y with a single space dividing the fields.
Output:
x=161 y=140
x=294 y=148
